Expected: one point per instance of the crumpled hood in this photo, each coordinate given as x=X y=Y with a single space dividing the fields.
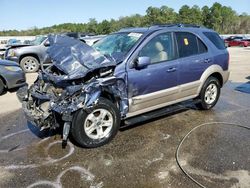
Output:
x=74 y=58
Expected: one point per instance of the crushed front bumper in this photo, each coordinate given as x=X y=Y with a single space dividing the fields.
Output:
x=56 y=111
x=32 y=113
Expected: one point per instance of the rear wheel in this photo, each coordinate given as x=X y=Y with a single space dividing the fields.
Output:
x=98 y=127
x=29 y=64
x=209 y=94
x=1 y=86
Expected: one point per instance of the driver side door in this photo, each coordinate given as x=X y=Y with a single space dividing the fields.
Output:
x=157 y=84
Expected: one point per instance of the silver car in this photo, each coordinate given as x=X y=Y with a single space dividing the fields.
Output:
x=11 y=75
x=29 y=56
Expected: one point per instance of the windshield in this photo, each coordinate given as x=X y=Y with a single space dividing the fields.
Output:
x=38 y=40
x=117 y=43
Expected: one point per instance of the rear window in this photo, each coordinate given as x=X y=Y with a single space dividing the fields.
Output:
x=215 y=39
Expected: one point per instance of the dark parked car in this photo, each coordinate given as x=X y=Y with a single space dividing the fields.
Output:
x=11 y=75
x=237 y=41
x=89 y=90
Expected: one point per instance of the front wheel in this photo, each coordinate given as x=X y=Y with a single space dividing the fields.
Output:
x=29 y=64
x=98 y=127
x=209 y=94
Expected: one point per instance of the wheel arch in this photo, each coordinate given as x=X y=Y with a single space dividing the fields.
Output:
x=218 y=76
x=29 y=54
x=111 y=97
x=215 y=71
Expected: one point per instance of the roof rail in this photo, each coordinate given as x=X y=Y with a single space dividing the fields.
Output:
x=131 y=28
x=175 y=25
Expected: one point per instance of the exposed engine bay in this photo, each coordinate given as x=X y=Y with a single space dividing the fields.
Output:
x=76 y=79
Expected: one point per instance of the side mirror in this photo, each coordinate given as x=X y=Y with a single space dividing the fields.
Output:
x=46 y=43
x=142 y=62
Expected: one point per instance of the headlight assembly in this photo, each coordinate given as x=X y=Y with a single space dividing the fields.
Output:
x=11 y=53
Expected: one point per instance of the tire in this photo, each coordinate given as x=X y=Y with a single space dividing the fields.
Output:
x=87 y=127
x=2 y=87
x=29 y=64
x=209 y=94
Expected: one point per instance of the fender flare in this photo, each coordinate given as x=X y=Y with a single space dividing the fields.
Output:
x=212 y=70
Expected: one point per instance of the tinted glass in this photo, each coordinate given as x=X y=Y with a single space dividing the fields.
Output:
x=202 y=47
x=215 y=39
x=38 y=40
x=187 y=44
x=159 y=49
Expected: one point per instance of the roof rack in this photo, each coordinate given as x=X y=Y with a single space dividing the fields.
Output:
x=132 y=28
x=175 y=25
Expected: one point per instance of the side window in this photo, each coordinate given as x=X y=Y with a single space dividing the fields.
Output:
x=159 y=49
x=189 y=44
x=215 y=39
x=202 y=47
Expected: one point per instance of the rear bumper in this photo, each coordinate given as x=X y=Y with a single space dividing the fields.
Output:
x=225 y=76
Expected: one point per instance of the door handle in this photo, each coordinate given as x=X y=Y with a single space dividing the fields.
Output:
x=207 y=61
x=172 y=69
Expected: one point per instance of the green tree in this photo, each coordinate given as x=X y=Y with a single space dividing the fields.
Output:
x=206 y=16
x=223 y=19
x=191 y=15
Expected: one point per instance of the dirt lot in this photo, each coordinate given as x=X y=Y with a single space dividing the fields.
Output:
x=215 y=154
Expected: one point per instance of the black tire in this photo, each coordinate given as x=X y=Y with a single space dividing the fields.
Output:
x=29 y=64
x=80 y=119
x=203 y=104
x=2 y=86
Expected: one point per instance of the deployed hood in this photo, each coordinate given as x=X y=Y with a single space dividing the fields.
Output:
x=74 y=58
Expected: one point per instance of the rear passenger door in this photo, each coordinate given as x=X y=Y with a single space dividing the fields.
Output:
x=194 y=60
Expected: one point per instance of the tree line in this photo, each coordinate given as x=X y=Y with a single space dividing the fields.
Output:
x=222 y=19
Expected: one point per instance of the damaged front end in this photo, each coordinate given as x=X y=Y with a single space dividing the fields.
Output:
x=77 y=78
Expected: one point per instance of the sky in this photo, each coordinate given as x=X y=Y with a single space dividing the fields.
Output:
x=26 y=14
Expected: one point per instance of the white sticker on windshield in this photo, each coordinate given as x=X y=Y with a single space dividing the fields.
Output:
x=137 y=35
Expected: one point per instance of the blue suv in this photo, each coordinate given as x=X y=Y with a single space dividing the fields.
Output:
x=89 y=90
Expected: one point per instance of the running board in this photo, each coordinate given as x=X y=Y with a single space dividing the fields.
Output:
x=160 y=112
